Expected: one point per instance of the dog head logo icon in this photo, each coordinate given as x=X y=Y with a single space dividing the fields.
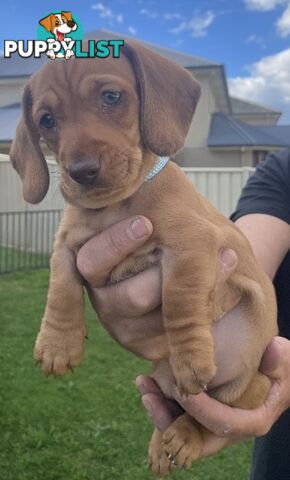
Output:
x=60 y=25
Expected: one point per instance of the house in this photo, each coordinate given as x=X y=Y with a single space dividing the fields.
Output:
x=225 y=131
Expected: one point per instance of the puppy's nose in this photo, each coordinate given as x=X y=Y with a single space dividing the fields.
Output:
x=85 y=172
x=71 y=23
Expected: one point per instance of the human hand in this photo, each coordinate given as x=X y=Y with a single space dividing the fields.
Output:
x=128 y=307
x=132 y=307
x=227 y=424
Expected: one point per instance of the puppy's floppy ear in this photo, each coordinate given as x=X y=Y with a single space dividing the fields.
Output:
x=26 y=155
x=67 y=15
x=168 y=97
x=46 y=23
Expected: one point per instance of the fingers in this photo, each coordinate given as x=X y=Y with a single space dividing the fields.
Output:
x=147 y=385
x=131 y=298
x=154 y=403
x=162 y=411
x=158 y=410
x=103 y=252
x=228 y=261
x=163 y=414
x=212 y=444
x=226 y=421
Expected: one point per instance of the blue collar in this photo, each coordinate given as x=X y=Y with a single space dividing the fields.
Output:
x=160 y=163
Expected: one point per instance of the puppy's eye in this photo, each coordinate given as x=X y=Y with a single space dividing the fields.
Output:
x=57 y=22
x=111 y=97
x=47 y=121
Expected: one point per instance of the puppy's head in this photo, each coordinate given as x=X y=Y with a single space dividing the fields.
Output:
x=59 y=24
x=105 y=120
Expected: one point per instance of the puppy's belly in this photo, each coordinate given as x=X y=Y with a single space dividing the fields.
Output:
x=235 y=365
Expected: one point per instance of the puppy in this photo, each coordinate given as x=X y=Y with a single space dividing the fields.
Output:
x=59 y=24
x=127 y=113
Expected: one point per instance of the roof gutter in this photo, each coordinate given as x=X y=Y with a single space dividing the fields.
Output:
x=246 y=148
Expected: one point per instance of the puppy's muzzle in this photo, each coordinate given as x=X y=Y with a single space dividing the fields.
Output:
x=85 y=171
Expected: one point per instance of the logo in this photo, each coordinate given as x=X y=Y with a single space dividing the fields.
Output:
x=58 y=29
x=60 y=35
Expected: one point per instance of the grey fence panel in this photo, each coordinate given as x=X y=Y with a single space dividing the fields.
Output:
x=11 y=189
x=221 y=186
x=26 y=239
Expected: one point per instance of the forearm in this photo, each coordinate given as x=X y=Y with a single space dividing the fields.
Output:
x=269 y=238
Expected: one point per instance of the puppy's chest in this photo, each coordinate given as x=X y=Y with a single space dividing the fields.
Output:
x=144 y=257
x=135 y=263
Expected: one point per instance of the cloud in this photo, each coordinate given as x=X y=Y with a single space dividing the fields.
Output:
x=106 y=12
x=256 y=39
x=148 y=13
x=172 y=16
x=268 y=82
x=263 y=5
x=197 y=25
x=283 y=24
x=132 y=30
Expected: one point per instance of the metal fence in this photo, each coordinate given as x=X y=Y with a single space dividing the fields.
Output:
x=221 y=186
x=27 y=231
x=26 y=239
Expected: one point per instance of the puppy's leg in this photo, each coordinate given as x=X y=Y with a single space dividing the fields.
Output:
x=188 y=303
x=59 y=345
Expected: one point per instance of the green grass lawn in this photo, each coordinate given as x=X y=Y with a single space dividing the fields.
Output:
x=88 y=425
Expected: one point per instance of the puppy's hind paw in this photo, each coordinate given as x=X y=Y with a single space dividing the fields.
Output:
x=182 y=442
x=158 y=461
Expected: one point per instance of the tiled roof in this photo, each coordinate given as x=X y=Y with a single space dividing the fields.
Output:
x=20 y=67
x=183 y=59
x=225 y=131
x=240 y=107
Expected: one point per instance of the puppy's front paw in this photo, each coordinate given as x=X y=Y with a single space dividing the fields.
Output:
x=192 y=373
x=59 y=350
x=182 y=442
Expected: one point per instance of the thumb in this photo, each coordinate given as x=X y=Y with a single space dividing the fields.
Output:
x=97 y=258
x=272 y=361
x=157 y=408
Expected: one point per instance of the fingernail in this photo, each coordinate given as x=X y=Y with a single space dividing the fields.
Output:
x=148 y=406
x=140 y=385
x=139 y=228
x=227 y=429
x=228 y=258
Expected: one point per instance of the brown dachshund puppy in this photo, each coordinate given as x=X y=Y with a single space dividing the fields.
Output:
x=107 y=120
